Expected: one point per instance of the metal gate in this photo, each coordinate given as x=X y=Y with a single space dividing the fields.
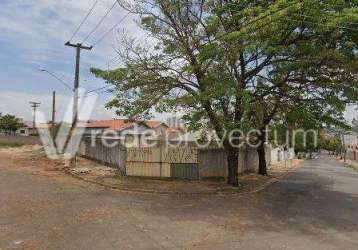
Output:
x=184 y=171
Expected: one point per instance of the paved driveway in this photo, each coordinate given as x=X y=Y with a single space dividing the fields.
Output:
x=315 y=207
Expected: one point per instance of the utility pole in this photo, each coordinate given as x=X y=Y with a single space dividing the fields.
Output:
x=34 y=106
x=78 y=47
x=53 y=108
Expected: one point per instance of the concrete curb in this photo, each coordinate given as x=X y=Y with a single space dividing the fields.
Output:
x=155 y=192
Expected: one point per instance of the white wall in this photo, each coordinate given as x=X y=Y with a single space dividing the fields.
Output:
x=279 y=155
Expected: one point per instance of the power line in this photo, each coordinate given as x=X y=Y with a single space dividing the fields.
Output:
x=94 y=90
x=113 y=60
x=100 y=22
x=34 y=106
x=97 y=93
x=84 y=20
x=110 y=30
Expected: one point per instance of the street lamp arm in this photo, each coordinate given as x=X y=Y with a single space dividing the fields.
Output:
x=57 y=78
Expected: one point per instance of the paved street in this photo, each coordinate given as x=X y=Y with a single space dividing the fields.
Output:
x=315 y=207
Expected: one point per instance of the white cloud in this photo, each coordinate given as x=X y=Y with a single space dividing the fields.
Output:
x=34 y=33
x=41 y=27
x=351 y=112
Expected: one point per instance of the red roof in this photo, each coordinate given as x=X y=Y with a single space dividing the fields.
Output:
x=118 y=124
x=154 y=124
x=109 y=124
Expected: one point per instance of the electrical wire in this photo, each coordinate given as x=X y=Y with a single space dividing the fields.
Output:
x=94 y=90
x=84 y=19
x=100 y=22
x=110 y=30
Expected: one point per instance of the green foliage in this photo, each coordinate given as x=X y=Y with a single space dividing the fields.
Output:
x=9 y=123
x=244 y=63
x=331 y=144
x=240 y=64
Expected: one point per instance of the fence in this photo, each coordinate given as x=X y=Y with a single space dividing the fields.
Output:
x=213 y=162
x=18 y=139
x=111 y=156
x=179 y=162
x=162 y=161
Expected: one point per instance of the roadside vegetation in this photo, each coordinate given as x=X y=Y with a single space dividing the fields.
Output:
x=9 y=124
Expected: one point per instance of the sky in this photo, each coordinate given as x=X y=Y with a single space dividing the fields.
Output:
x=33 y=33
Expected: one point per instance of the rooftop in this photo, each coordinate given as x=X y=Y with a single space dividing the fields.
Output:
x=119 y=124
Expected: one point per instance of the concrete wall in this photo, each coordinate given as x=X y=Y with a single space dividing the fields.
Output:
x=162 y=161
x=213 y=162
x=149 y=161
x=19 y=139
x=278 y=155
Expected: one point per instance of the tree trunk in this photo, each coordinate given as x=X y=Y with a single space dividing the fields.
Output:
x=262 y=159
x=232 y=163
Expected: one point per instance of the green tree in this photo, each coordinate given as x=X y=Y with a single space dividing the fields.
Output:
x=314 y=74
x=9 y=123
x=216 y=61
x=332 y=144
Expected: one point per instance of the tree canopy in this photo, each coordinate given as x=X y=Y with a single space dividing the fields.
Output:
x=236 y=65
x=9 y=123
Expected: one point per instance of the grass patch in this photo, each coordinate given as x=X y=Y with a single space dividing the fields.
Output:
x=354 y=167
x=10 y=145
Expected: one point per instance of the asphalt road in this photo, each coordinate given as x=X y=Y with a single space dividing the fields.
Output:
x=315 y=207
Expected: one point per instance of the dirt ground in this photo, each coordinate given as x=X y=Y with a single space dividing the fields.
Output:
x=313 y=207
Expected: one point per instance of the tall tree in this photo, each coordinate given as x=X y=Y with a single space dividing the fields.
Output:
x=316 y=66
x=210 y=59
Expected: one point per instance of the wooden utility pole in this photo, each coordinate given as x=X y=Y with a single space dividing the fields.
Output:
x=53 y=108
x=34 y=106
x=78 y=47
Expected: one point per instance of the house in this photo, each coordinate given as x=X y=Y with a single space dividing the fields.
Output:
x=28 y=128
x=127 y=129
x=118 y=127
x=124 y=129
